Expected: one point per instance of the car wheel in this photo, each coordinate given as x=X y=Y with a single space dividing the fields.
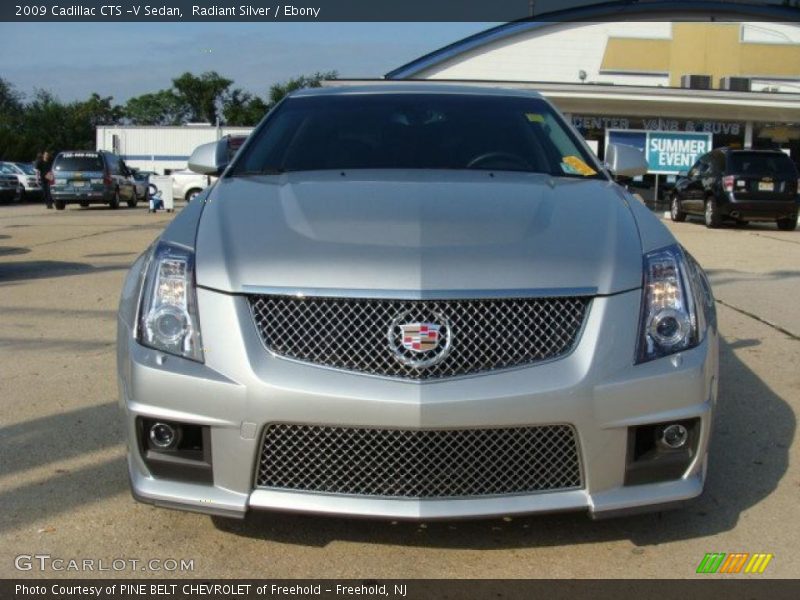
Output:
x=742 y=224
x=713 y=220
x=787 y=224
x=60 y=204
x=20 y=194
x=192 y=194
x=84 y=204
x=675 y=210
x=114 y=200
x=133 y=201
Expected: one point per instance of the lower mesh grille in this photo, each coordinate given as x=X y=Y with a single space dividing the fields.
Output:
x=420 y=463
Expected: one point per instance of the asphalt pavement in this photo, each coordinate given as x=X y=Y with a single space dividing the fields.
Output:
x=63 y=482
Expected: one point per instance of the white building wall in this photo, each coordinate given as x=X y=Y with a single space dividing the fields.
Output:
x=160 y=148
x=560 y=52
x=555 y=54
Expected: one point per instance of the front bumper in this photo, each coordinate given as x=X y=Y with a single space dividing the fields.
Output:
x=92 y=196
x=241 y=388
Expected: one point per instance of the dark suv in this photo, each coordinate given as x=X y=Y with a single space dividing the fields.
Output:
x=739 y=185
x=86 y=177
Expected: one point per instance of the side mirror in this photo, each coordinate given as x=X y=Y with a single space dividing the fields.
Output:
x=210 y=159
x=625 y=161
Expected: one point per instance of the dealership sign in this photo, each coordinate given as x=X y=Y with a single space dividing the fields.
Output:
x=667 y=152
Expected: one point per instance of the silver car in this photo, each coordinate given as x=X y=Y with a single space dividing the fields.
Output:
x=417 y=301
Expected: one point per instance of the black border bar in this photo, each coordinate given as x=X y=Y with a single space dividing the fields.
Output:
x=735 y=587
x=40 y=11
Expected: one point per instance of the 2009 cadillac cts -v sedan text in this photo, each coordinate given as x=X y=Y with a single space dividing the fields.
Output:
x=416 y=301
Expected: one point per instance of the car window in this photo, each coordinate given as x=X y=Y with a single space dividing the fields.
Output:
x=762 y=163
x=696 y=169
x=717 y=162
x=113 y=163
x=78 y=161
x=416 y=131
x=26 y=168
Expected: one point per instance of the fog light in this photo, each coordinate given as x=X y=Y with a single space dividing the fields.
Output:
x=163 y=435
x=674 y=436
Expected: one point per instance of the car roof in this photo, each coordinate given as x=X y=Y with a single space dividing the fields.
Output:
x=415 y=88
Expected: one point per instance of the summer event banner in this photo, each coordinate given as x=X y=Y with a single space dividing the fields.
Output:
x=667 y=152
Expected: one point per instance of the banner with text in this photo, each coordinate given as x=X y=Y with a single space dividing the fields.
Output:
x=667 y=152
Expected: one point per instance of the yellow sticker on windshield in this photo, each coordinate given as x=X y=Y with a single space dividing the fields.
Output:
x=576 y=165
x=534 y=117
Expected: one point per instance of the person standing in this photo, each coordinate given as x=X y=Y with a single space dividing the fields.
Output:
x=43 y=165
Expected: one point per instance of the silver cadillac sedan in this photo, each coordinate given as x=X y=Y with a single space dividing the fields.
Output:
x=416 y=301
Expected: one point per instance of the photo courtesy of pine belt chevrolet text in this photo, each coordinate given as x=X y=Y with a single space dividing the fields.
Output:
x=417 y=301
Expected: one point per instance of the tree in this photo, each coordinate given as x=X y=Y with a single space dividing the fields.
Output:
x=241 y=108
x=279 y=90
x=160 y=108
x=11 y=108
x=202 y=94
x=10 y=100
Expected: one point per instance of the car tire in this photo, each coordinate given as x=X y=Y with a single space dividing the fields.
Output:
x=742 y=224
x=711 y=214
x=60 y=204
x=675 y=211
x=787 y=224
x=192 y=194
x=114 y=200
x=20 y=194
x=133 y=201
x=84 y=205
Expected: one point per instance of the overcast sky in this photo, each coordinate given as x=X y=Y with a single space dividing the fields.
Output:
x=123 y=60
x=127 y=59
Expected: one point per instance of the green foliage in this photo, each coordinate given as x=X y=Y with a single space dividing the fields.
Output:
x=202 y=94
x=45 y=123
x=42 y=122
x=278 y=91
x=160 y=108
x=241 y=108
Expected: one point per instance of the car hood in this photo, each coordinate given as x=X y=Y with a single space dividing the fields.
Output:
x=417 y=231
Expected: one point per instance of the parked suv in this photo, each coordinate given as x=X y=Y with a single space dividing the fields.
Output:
x=86 y=177
x=27 y=180
x=8 y=187
x=739 y=185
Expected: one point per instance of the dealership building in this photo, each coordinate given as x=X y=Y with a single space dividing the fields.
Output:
x=726 y=73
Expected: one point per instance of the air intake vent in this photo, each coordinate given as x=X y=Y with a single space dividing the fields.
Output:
x=696 y=82
x=735 y=84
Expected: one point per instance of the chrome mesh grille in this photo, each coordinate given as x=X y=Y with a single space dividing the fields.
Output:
x=419 y=463
x=360 y=334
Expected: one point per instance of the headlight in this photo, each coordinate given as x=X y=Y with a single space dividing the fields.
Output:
x=677 y=305
x=168 y=318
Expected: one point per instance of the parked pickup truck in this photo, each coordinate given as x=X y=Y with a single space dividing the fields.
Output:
x=187 y=184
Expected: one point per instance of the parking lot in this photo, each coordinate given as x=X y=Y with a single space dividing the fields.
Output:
x=63 y=481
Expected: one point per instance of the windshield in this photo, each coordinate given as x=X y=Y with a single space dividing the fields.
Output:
x=75 y=161
x=26 y=168
x=415 y=131
x=762 y=163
